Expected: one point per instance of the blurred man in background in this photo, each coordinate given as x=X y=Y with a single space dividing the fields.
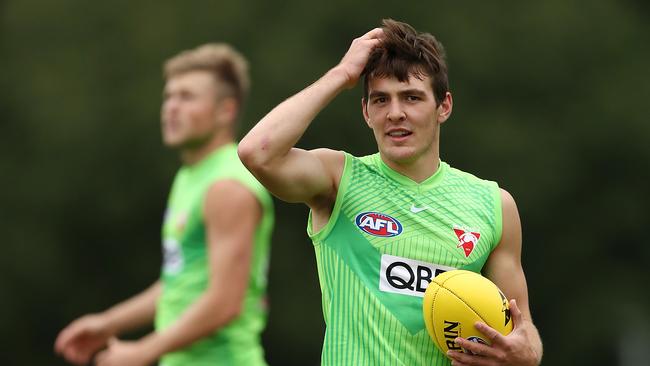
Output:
x=208 y=305
x=400 y=207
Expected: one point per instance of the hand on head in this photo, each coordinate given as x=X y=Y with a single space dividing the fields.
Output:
x=355 y=59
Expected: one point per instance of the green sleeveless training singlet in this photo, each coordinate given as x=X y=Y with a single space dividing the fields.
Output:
x=387 y=237
x=185 y=267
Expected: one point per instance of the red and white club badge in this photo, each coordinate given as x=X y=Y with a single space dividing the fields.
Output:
x=466 y=240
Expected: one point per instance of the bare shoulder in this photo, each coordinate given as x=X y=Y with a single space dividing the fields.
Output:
x=331 y=158
x=507 y=199
x=227 y=196
x=510 y=242
x=333 y=161
x=509 y=208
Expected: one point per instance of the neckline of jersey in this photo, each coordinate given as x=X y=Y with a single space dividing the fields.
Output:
x=212 y=156
x=430 y=182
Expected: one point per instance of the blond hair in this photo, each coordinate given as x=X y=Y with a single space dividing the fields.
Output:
x=227 y=65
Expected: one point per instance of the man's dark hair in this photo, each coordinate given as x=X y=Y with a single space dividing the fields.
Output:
x=405 y=52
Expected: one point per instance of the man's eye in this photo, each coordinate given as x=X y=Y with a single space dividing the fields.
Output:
x=187 y=96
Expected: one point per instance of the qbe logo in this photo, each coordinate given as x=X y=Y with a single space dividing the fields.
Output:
x=407 y=276
x=378 y=224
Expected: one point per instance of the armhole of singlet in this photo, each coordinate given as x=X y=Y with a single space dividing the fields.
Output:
x=321 y=234
x=498 y=215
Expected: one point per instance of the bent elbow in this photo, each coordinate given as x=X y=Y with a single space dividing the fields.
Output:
x=221 y=315
x=255 y=156
x=230 y=313
x=250 y=155
x=235 y=312
x=245 y=151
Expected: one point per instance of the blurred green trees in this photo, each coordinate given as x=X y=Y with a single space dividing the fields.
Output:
x=550 y=100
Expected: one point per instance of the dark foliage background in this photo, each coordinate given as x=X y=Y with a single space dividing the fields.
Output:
x=551 y=100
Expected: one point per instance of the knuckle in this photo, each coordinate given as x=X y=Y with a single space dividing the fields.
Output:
x=509 y=347
x=493 y=334
x=500 y=357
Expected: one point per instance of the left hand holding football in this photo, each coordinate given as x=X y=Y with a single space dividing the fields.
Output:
x=515 y=349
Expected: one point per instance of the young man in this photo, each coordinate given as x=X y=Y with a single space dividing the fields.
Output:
x=380 y=223
x=208 y=303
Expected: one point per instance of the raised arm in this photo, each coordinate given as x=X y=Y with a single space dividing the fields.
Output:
x=523 y=346
x=293 y=174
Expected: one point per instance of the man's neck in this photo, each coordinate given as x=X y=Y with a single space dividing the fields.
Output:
x=191 y=156
x=418 y=170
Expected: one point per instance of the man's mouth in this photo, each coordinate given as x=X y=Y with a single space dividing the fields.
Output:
x=399 y=133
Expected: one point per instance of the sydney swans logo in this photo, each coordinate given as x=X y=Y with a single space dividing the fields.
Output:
x=467 y=239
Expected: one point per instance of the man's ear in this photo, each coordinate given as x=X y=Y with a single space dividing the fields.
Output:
x=227 y=109
x=445 y=107
x=364 y=109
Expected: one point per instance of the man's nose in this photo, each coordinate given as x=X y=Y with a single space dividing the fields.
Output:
x=170 y=105
x=396 y=112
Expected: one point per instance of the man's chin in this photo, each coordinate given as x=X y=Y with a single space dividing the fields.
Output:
x=400 y=155
x=173 y=139
x=173 y=143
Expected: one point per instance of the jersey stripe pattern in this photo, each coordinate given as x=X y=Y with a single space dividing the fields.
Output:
x=387 y=237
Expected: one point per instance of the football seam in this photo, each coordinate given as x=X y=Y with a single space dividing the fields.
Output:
x=441 y=285
x=435 y=295
x=468 y=305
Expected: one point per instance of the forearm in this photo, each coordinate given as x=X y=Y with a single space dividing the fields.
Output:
x=274 y=136
x=534 y=339
x=205 y=316
x=135 y=312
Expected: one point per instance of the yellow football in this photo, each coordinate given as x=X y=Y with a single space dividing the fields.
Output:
x=455 y=300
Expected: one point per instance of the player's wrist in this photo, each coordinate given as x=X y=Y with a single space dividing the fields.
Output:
x=339 y=75
x=151 y=347
x=109 y=323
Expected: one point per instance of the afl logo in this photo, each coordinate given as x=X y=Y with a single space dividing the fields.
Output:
x=378 y=224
